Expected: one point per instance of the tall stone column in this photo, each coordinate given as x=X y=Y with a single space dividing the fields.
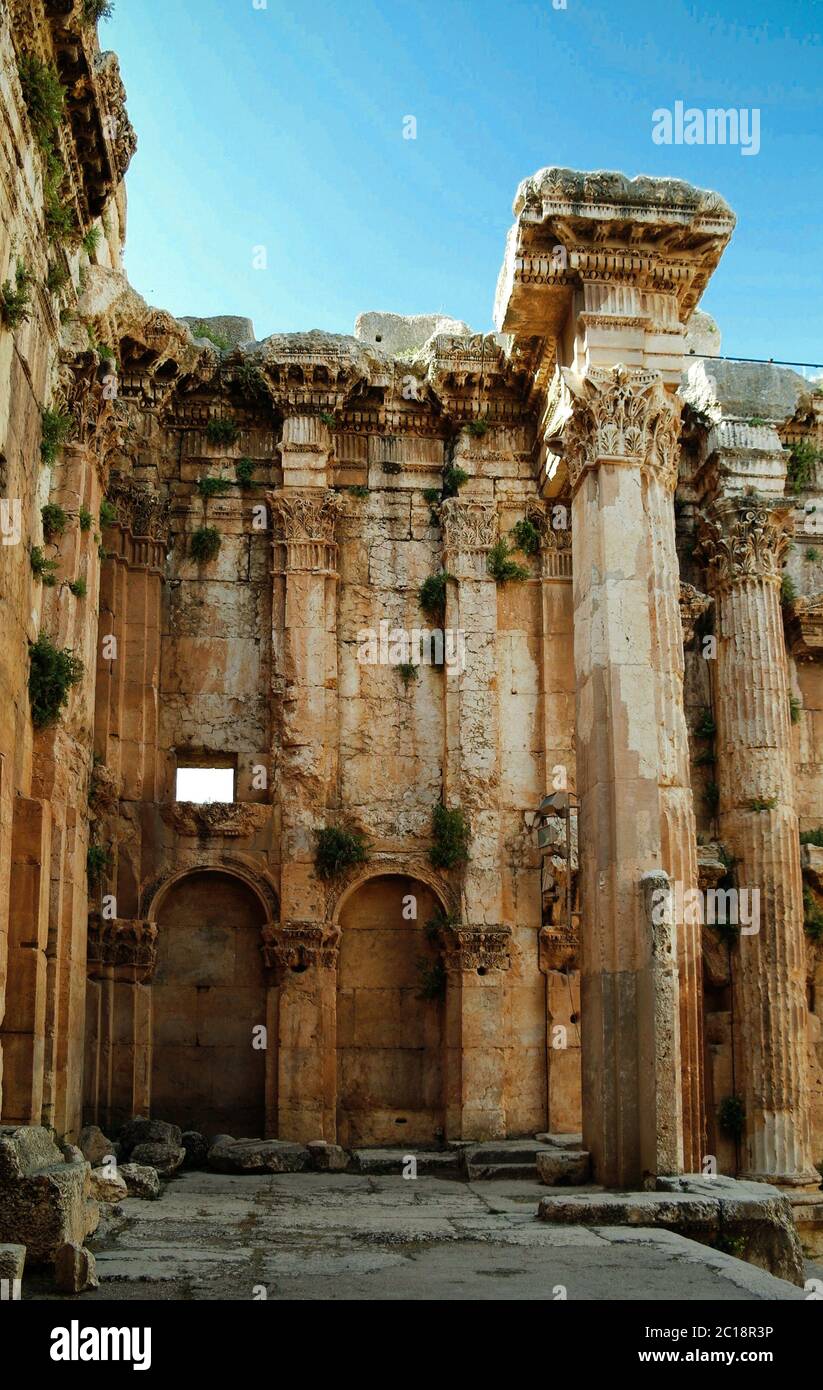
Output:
x=744 y=540
x=304 y=645
x=478 y=955
x=632 y=1108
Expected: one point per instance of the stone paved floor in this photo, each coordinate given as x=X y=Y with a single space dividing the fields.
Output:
x=342 y=1236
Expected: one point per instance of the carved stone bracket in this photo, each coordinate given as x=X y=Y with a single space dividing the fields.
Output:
x=297 y=946
x=121 y=941
x=622 y=414
x=481 y=948
x=558 y=947
x=693 y=605
x=743 y=538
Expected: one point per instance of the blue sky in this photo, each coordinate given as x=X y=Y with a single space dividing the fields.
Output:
x=283 y=127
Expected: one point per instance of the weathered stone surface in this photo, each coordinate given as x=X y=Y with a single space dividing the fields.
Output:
x=143 y=1131
x=94 y=1145
x=327 y=1158
x=748 y=1219
x=75 y=1269
x=258 y=1156
x=12 y=1262
x=44 y=1201
x=197 y=1149
x=141 y=1180
x=164 y=1158
x=108 y=1186
x=564 y=1167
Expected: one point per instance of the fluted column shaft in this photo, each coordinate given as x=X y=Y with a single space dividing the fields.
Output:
x=745 y=543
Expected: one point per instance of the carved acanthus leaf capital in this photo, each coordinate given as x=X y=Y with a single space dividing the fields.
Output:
x=744 y=538
x=693 y=604
x=306 y=515
x=481 y=948
x=622 y=414
x=122 y=942
x=469 y=528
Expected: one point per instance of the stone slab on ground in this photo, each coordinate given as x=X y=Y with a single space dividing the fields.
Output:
x=258 y=1156
x=504 y=1158
x=751 y=1219
x=45 y=1200
x=431 y=1163
x=337 y=1237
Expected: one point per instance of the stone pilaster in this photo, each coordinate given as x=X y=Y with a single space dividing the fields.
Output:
x=744 y=540
x=475 y=959
x=621 y=421
x=301 y=1070
x=122 y=954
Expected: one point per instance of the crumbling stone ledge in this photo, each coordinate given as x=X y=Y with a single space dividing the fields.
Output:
x=751 y=1220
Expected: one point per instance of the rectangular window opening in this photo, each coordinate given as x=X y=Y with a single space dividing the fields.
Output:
x=205 y=784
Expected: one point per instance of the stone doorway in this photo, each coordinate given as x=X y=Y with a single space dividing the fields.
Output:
x=389 y=1040
x=209 y=993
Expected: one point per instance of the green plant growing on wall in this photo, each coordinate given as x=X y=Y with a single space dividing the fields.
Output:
x=802 y=465
x=812 y=915
x=41 y=568
x=501 y=566
x=788 y=591
x=57 y=428
x=52 y=673
x=762 y=803
x=221 y=431
x=409 y=671
x=451 y=833
x=108 y=513
x=795 y=709
x=78 y=587
x=812 y=837
x=337 y=849
x=98 y=861
x=95 y=10
x=705 y=759
x=711 y=796
x=57 y=277
x=477 y=428
x=213 y=487
x=91 y=239
x=432 y=979
x=453 y=480
x=329 y=420
x=705 y=726
x=15 y=299
x=526 y=536
x=218 y=340
x=358 y=491
x=244 y=471
x=54 y=520
x=731 y=1116
x=251 y=383
x=433 y=596
x=204 y=544
x=44 y=97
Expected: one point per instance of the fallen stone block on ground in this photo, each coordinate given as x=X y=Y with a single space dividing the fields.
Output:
x=45 y=1201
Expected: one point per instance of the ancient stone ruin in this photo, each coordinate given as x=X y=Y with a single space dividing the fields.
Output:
x=507 y=649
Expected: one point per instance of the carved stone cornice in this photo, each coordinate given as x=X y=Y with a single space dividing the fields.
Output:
x=479 y=948
x=234 y=820
x=623 y=415
x=306 y=519
x=744 y=538
x=298 y=946
x=693 y=605
x=122 y=942
x=470 y=529
x=804 y=627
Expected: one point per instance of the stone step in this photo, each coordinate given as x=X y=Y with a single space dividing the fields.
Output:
x=564 y=1165
x=442 y=1163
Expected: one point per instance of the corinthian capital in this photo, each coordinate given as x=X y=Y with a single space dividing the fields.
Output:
x=625 y=415
x=469 y=532
x=298 y=946
x=306 y=515
x=744 y=538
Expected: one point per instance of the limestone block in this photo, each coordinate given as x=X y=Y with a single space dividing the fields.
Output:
x=258 y=1156
x=94 y=1145
x=144 y=1131
x=44 y=1200
x=327 y=1158
x=197 y=1149
x=165 y=1158
x=563 y=1167
x=141 y=1181
x=12 y=1260
x=108 y=1187
x=74 y=1269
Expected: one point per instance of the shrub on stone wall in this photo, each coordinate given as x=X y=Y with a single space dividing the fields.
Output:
x=731 y=1116
x=44 y=96
x=337 y=849
x=15 y=301
x=501 y=566
x=221 y=431
x=205 y=544
x=54 y=520
x=526 y=536
x=451 y=833
x=52 y=673
x=433 y=596
x=42 y=568
x=57 y=428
